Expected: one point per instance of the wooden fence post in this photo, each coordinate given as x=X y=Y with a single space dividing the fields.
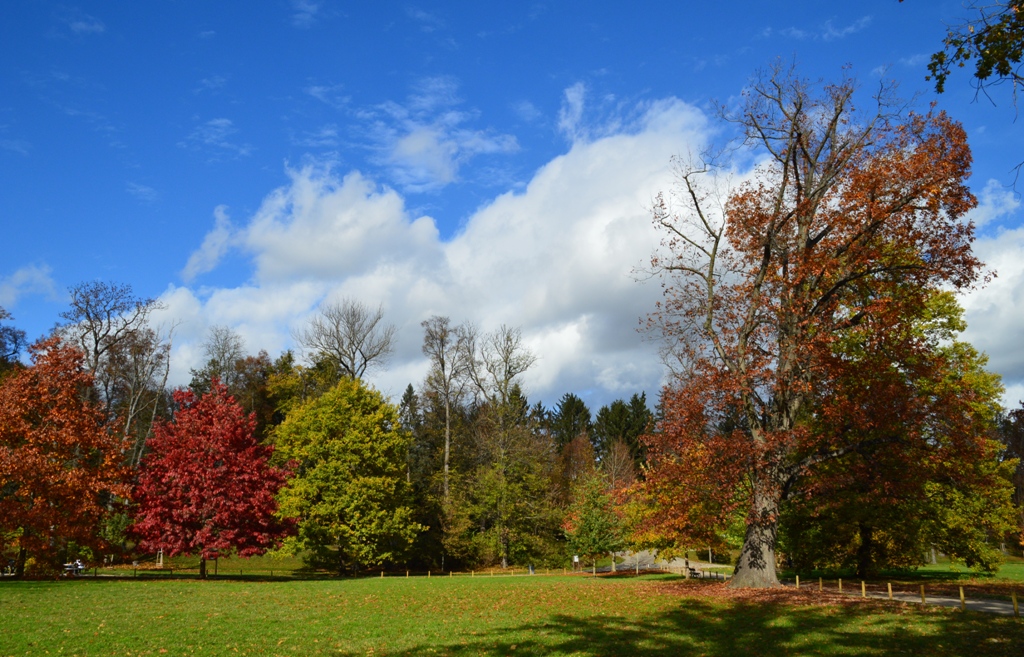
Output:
x=889 y=585
x=923 y=601
x=1016 y=611
x=963 y=602
x=798 y=581
x=863 y=590
x=821 y=584
x=840 y=584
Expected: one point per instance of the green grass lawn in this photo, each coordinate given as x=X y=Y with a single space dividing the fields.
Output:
x=520 y=615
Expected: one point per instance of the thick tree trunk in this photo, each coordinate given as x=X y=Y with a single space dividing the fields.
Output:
x=202 y=567
x=756 y=565
x=865 y=560
x=19 y=565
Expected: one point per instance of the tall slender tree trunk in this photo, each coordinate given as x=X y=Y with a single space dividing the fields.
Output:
x=756 y=565
x=202 y=567
x=447 y=442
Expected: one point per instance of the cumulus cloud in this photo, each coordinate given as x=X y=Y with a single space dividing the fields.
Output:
x=31 y=279
x=555 y=257
x=994 y=320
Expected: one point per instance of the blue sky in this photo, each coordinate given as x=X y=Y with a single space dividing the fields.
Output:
x=488 y=161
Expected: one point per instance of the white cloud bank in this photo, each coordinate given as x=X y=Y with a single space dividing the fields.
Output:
x=995 y=313
x=555 y=259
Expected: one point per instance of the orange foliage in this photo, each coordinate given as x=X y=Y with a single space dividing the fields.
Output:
x=59 y=462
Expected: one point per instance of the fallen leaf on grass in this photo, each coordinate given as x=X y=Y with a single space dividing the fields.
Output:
x=778 y=596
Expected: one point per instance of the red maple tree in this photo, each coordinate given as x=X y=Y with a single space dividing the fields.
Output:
x=59 y=461
x=206 y=486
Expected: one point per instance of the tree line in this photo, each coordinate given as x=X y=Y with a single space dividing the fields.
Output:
x=101 y=458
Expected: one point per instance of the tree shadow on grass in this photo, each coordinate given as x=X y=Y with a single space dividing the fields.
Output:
x=701 y=628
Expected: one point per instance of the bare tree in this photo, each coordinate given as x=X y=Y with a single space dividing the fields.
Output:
x=139 y=367
x=445 y=346
x=350 y=335
x=102 y=316
x=12 y=341
x=223 y=348
x=495 y=364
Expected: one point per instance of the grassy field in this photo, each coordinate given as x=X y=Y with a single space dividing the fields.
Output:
x=651 y=615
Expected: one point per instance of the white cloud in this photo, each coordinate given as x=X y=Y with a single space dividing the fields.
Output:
x=555 y=258
x=20 y=146
x=428 y=22
x=995 y=322
x=424 y=142
x=995 y=201
x=213 y=137
x=329 y=94
x=31 y=279
x=571 y=113
x=830 y=32
x=526 y=111
x=215 y=245
x=325 y=137
x=144 y=193
x=82 y=23
x=827 y=31
x=305 y=13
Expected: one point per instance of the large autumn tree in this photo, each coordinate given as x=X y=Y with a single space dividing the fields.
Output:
x=850 y=223
x=206 y=485
x=60 y=463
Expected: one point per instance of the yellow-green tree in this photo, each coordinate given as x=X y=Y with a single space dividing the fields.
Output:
x=350 y=491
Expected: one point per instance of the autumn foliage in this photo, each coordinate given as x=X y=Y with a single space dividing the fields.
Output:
x=60 y=464
x=790 y=311
x=206 y=486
